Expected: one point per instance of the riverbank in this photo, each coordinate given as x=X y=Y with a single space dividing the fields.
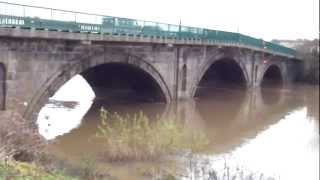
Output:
x=126 y=139
x=29 y=171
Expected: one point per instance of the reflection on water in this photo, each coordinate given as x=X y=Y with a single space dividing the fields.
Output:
x=286 y=150
x=65 y=109
x=60 y=118
x=268 y=134
x=291 y=140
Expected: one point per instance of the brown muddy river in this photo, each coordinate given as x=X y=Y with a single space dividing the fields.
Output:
x=271 y=133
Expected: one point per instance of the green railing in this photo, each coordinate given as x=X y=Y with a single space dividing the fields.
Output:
x=23 y=16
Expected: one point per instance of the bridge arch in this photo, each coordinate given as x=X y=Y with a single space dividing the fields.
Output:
x=272 y=74
x=230 y=64
x=69 y=70
x=2 y=86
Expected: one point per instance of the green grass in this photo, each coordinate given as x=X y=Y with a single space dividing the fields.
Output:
x=139 y=138
x=26 y=171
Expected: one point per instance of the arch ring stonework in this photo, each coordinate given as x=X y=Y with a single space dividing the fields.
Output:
x=71 y=69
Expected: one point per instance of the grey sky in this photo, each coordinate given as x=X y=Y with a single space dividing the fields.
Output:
x=267 y=19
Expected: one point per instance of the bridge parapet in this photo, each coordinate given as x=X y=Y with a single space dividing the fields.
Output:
x=108 y=28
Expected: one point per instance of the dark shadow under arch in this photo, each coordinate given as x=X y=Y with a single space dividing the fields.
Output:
x=70 y=70
x=272 y=77
x=184 y=78
x=113 y=81
x=223 y=73
x=2 y=87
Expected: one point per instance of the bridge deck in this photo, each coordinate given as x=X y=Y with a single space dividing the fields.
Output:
x=88 y=38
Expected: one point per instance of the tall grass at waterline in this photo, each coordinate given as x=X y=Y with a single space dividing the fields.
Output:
x=139 y=138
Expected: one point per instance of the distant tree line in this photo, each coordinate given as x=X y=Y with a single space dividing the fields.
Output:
x=309 y=51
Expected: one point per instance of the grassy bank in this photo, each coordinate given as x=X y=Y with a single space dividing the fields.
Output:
x=19 y=138
x=21 y=147
x=137 y=137
x=26 y=171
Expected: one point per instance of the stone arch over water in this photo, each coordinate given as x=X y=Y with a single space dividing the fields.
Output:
x=222 y=70
x=70 y=70
x=272 y=75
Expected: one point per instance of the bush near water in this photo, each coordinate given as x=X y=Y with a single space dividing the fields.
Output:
x=139 y=138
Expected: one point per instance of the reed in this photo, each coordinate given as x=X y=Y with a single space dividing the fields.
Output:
x=139 y=138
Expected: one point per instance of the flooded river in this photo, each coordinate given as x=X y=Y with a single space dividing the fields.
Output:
x=272 y=133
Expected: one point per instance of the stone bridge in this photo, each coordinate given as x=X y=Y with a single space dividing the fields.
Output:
x=34 y=64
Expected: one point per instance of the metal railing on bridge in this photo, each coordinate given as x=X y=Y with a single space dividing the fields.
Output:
x=24 y=16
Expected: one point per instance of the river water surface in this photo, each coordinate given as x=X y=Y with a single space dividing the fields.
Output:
x=272 y=133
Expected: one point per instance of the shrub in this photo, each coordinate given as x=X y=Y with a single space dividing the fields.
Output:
x=138 y=138
x=18 y=138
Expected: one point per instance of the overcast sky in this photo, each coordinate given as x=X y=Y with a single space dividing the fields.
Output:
x=267 y=19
